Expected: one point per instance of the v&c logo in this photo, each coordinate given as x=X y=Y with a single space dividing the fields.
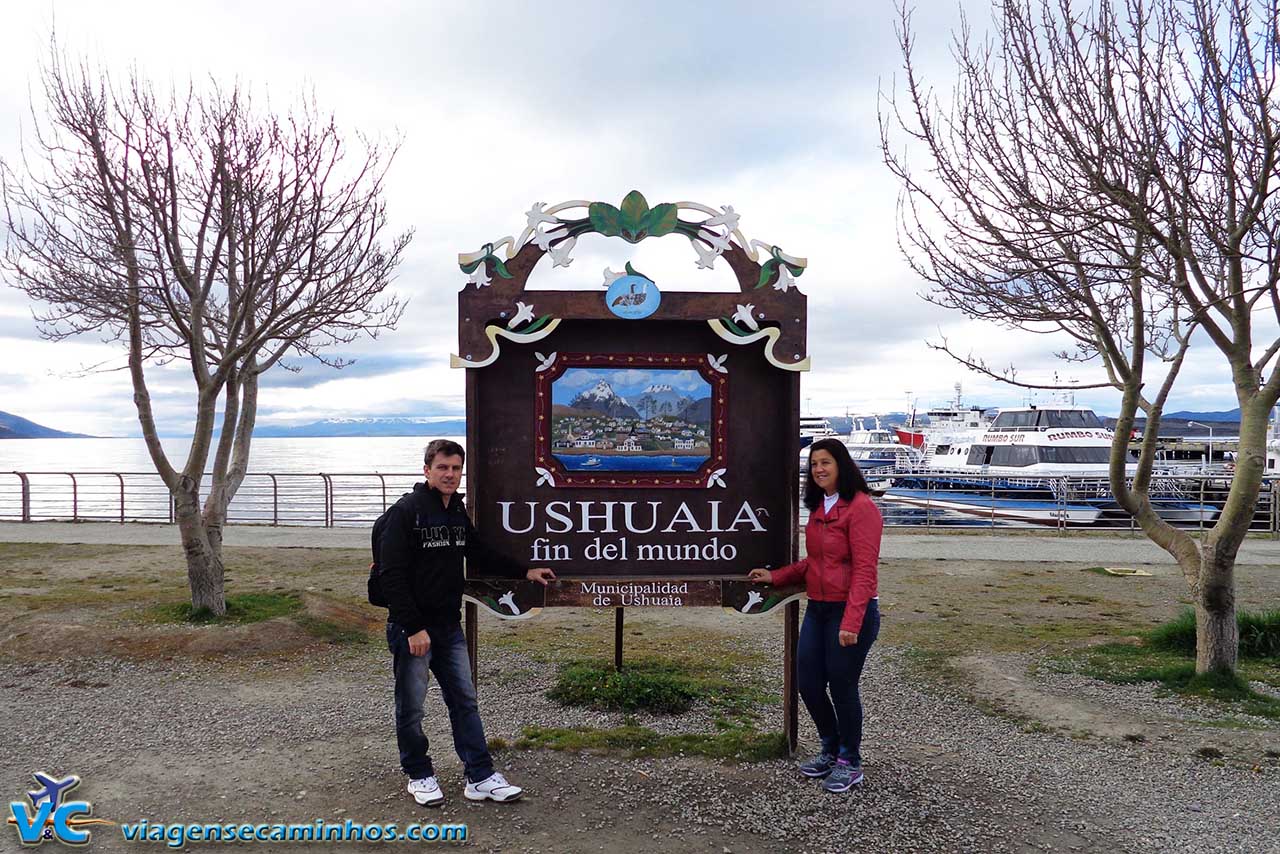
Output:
x=51 y=815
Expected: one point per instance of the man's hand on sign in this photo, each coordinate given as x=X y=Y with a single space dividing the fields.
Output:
x=419 y=643
x=759 y=575
x=541 y=574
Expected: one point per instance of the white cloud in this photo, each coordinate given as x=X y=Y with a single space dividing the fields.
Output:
x=770 y=109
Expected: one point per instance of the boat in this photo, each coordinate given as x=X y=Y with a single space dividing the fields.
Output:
x=1043 y=465
x=1273 y=446
x=814 y=427
x=591 y=462
x=874 y=449
x=946 y=424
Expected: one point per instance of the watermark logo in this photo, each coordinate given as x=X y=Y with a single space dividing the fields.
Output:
x=51 y=815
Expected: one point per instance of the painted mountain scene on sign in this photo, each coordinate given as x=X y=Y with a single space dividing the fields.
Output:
x=631 y=419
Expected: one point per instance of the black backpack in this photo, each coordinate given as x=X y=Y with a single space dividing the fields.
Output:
x=378 y=596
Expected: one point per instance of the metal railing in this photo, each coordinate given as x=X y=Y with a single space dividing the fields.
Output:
x=343 y=499
x=953 y=500
x=264 y=498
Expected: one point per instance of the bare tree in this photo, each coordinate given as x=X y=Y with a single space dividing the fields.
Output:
x=191 y=228
x=1108 y=175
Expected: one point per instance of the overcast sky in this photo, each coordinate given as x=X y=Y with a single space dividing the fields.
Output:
x=767 y=107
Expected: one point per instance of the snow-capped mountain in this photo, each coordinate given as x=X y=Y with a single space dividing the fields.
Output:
x=661 y=400
x=603 y=399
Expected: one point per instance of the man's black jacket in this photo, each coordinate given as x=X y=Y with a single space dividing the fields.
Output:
x=422 y=549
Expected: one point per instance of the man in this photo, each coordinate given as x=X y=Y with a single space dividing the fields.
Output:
x=422 y=549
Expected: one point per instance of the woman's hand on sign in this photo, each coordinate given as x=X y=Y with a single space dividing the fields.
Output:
x=541 y=574
x=419 y=643
x=848 y=638
x=759 y=575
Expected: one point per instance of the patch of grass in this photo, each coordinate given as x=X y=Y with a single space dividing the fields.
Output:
x=1259 y=634
x=330 y=631
x=241 y=608
x=1097 y=570
x=1129 y=663
x=652 y=685
x=559 y=642
x=742 y=743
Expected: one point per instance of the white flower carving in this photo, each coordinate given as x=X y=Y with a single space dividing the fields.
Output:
x=718 y=364
x=716 y=478
x=706 y=257
x=524 y=314
x=509 y=599
x=560 y=252
x=480 y=278
x=719 y=242
x=535 y=216
x=545 y=362
x=744 y=316
x=726 y=217
x=786 y=281
x=544 y=477
x=543 y=238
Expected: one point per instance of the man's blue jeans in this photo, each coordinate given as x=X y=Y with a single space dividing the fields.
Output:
x=821 y=662
x=447 y=659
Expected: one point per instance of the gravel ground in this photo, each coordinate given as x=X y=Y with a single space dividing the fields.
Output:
x=300 y=739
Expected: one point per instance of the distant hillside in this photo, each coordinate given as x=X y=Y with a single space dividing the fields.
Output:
x=15 y=427
x=698 y=412
x=1233 y=416
x=388 y=426
x=1183 y=427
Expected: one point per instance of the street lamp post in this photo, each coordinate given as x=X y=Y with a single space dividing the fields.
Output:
x=1208 y=427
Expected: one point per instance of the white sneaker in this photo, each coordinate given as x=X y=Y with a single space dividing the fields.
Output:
x=495 y=788
x=426 y=791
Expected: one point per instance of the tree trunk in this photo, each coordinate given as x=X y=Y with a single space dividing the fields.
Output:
x=204 y=554
x=1217 y=634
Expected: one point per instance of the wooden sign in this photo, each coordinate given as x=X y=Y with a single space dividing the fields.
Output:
x=637 y=431
x=518 y=600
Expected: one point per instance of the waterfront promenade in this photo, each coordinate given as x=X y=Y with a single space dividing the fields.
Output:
x=1000 y=545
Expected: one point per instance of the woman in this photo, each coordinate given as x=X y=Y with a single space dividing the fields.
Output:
x=842 y=541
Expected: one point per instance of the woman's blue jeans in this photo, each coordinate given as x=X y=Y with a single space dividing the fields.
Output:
x=447 y=659
x=822 y=664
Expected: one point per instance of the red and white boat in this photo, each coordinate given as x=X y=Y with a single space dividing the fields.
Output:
x=947 y=425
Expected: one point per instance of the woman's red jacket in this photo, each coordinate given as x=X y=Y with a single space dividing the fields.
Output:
x=843 y=554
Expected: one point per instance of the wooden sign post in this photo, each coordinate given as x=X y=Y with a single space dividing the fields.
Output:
x=643 y=443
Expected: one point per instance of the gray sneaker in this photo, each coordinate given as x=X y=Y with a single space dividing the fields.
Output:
x=818 y=766
x=842 y=778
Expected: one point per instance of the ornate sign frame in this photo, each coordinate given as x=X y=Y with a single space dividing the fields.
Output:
x=748 y=505
x=550 y=466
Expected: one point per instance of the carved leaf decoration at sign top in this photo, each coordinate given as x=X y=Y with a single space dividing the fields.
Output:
x=767 y=308
x=633 y=220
